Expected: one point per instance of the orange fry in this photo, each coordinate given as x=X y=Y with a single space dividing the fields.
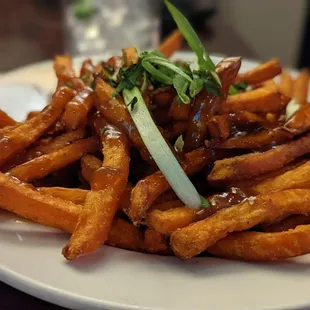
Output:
x=172 y=43
x=27 y=133
x=301 y=86
x=46 y=164
x=108 y=184
x=76 y=111
x=207 y=105
x=263 y=246
x=74 y=195
x=130 y=56
x=251 y=165
x=219 y=127
x=286 y=84
x=299 y=122
x=86 y=72
x=197 y=237
x=290 y=222
x=6 y=120
x=149 y=189
x=156 y=243
x=89 y=165
x=179 y=111
x=173 y=131
x=261 y=73
x=163 y=97
x=260 y=100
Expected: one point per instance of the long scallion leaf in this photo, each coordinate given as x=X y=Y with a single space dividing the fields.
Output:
x=160 y=150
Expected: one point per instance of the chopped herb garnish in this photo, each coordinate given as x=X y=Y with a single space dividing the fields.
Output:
x=239 y=86
x=125 y=58
x=108 y=67
x=130 y=77
x=84 y=10
x=69 y=84
x=204 y=202
x=84 y=78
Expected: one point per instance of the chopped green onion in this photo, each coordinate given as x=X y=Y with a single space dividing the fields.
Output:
x=292 y=107
x=179 y=144
x=160 y=150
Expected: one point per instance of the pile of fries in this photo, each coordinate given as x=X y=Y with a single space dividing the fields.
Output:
x=81 y=166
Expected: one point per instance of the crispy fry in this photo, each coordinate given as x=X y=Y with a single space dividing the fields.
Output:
x=74 y=195
x=130 y=56
x=108 y=184
x=6 y=120
x=252 y=165
x=299 y=122
x=172 y=43
x=46 y=164
x=207 y=105
x=257 y=140
x=219 y=127
x=27 y=202
x=290 y=222
x=76 y=111
x=286 y=84
x=149 y=189
x=163 y=97
x=173 y=131
x=163 y=206
x=32 y=114
x=262 y=246
x=245 y=119
x=156 y=243
x=269 y=84
x=301 y=86
x=86 y=72
x=197 y=237
x=295 y=178
x=260 y=100
x=27 y=133
x=179 y=112
x=89 y=165
x=261 y=73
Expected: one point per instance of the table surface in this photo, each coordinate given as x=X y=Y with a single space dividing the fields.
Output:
x=12 y=299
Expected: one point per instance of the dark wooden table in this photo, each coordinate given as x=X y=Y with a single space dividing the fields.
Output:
x=12 y=299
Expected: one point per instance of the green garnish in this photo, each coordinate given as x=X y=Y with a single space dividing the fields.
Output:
x=84 y=10
x=204 y=202
x=130 y=77
x=239 y=86
x=108 y=67
x=84 y=78
x=69 y=84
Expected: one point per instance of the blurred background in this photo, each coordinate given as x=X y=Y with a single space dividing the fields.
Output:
x=35 y=30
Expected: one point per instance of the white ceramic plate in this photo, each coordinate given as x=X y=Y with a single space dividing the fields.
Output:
x=31 y=261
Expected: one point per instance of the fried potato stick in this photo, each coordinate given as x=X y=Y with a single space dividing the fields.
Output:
x=178 y=111
x=174 y=130
x=172 y=43
x=290 y=222
x=251 y=165
x=207 y=105
x=108 y=184
x=89 y=165
x=156 y=243
x=6 y=120
x=263 y=246
x=149 y=189
x=76 y=111
x=285 y=85
x=46 y=164
x=86 y=72
x=261 y=73
x=301 y=86
x=19 y=138
x=197 y=237
x=32 y=114
x=74 y=195
x=219 y=127
x=130 y=56
x=259 y=100
x=299 y=122
x=163 y=97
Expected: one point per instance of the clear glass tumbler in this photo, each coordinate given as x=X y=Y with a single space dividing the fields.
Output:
x=97 y=26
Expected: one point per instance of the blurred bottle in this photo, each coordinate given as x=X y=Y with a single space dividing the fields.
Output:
x=96 y=26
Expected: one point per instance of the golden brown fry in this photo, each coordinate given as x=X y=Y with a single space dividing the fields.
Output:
x=207 y=105
x=260 y=100
x=290 y=222
x=257 y=140
x=74 y=195
x=179 y=111
x=161 y=117
x=76 y=111
x=173 y=131
x=32 y=114
x=156 y=243
x=219 y=127
x=197 y=237
x=295 y=178
x=163 y=206
x=27 y=202
x=299 y=122
x=263 y=246
x=286 y=84
x=261 y=73
x=89 y=165
x=86 y=72
x=163 y=97
x=252 y=165
x=269 y=84
x=108 y=184
x=116 y=113
x=245 y=119
x=172 y=43
x=130 y=56
x=149 y=189
x=46 y=164
x=301 y=86
x=27 y=133
x=6 y=120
